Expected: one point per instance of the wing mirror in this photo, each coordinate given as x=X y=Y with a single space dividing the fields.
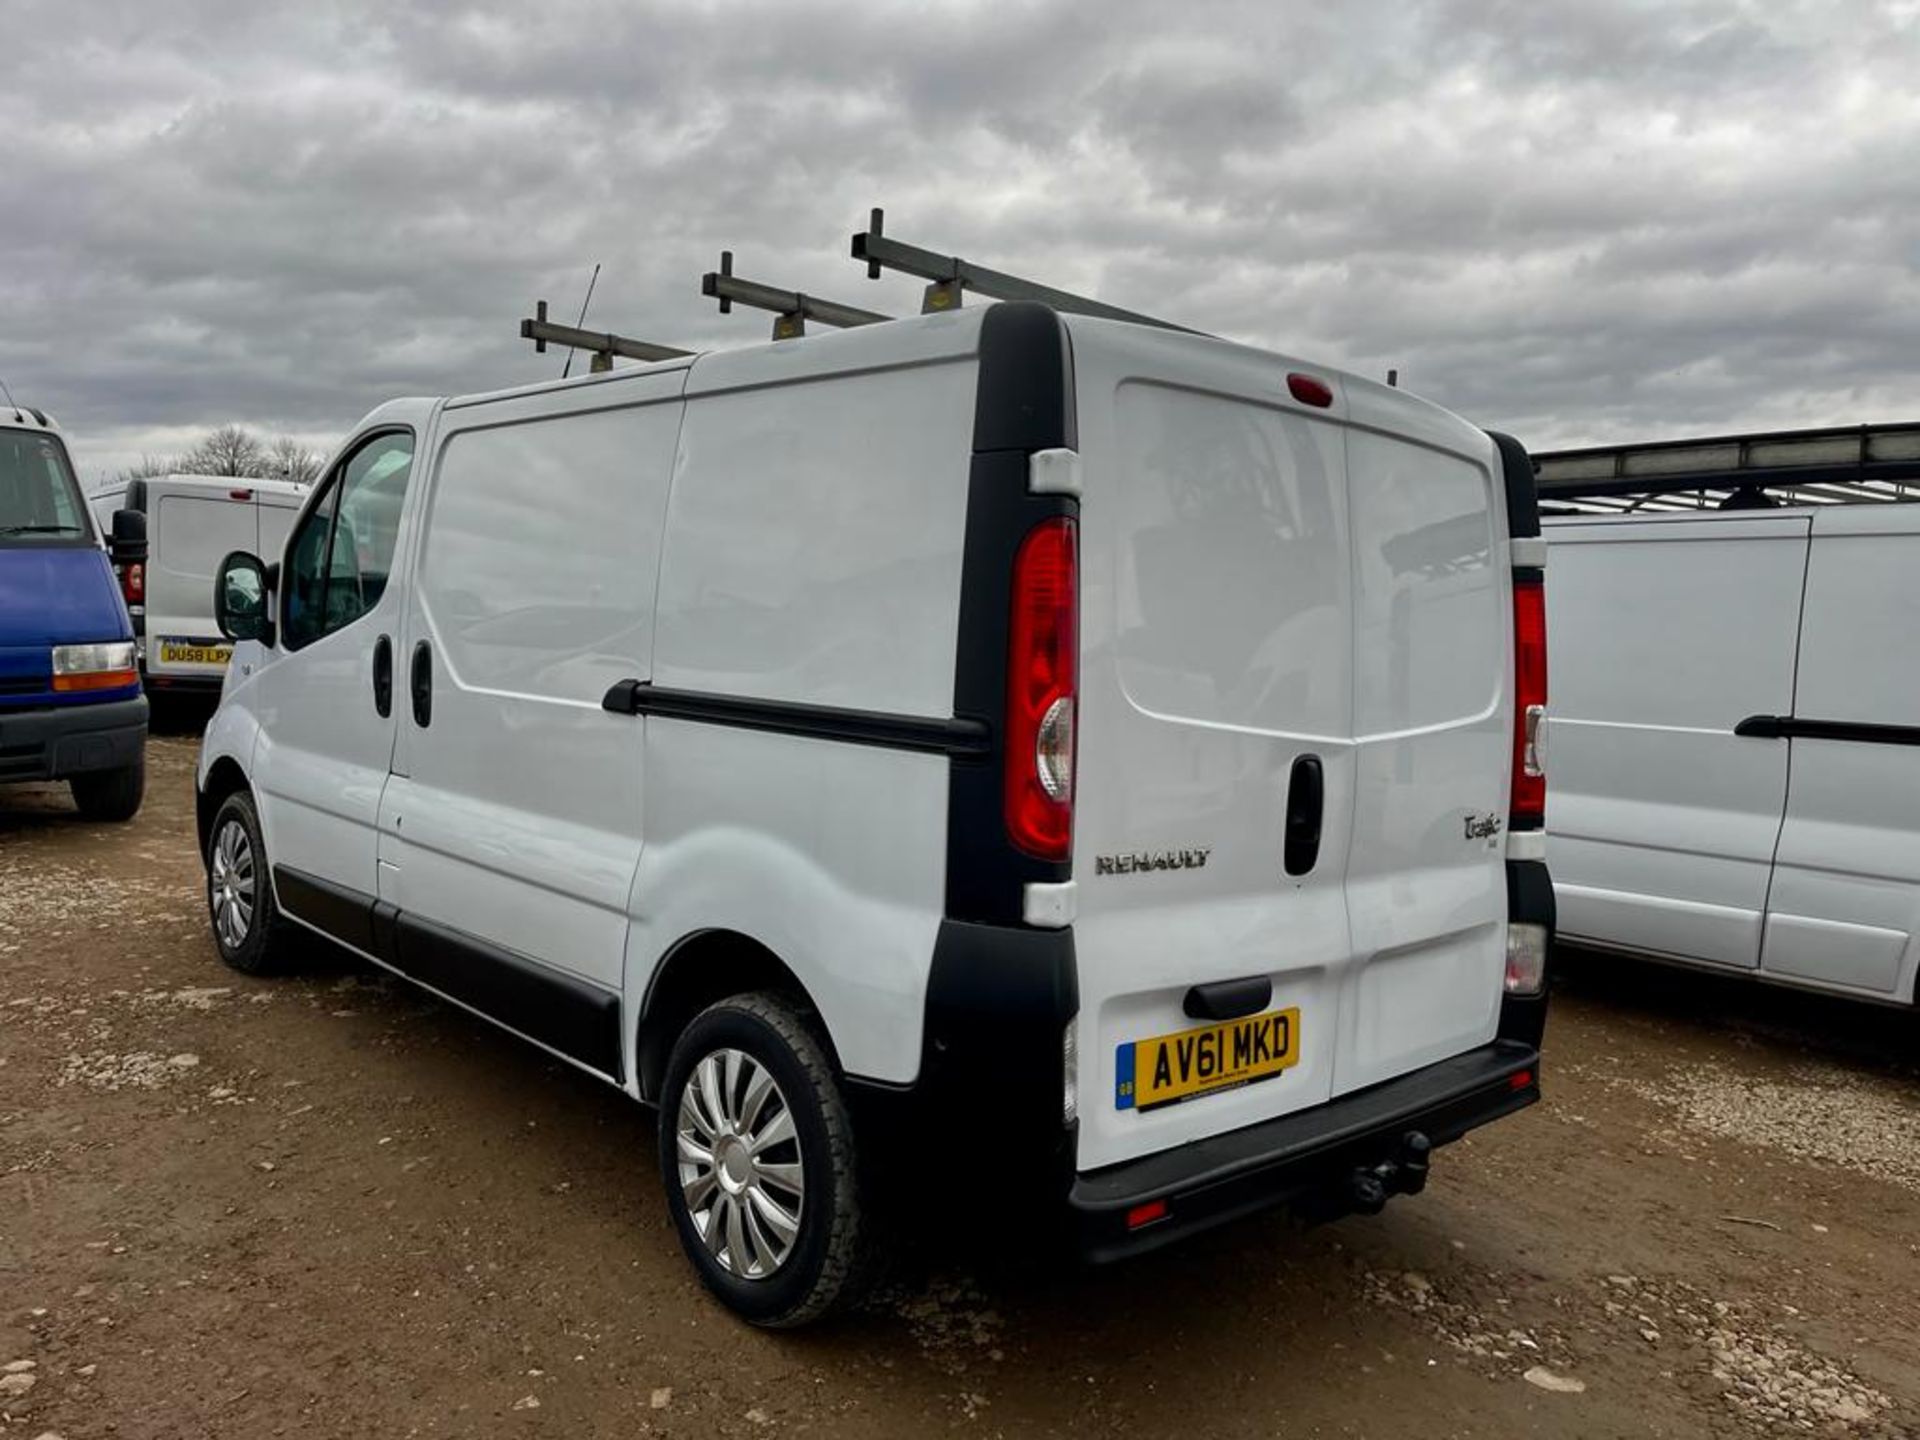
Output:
x=240 y=598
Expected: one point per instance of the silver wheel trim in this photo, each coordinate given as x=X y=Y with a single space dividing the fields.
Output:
x=742 y=1173
x=230 y=884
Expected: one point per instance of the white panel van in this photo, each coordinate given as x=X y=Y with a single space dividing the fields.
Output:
x=1736 y=741
x=1089 y=763
x=193 y=522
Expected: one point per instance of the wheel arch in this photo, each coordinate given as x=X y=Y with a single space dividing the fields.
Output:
x=224 y=778
x=697 y=970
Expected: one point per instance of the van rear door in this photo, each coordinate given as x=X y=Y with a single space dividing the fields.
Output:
x=1294 y=732
x=193 y=530
x=1216 y=683
x=1433 y=719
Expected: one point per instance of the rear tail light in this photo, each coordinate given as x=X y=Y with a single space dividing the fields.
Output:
x=1529 y=703
x=1042 y=684
x=133 y=584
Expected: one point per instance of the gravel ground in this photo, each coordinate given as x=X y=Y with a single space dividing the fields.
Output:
x=329 y=1205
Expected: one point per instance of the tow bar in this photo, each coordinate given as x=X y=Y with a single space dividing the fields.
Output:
x=1369 y=1185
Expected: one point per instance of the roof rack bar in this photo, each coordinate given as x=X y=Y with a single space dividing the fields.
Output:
x=603 y=344
x=792 y=308
x=950 y=276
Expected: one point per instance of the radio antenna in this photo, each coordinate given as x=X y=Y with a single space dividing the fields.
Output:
x=591 y=281
x=18 y=417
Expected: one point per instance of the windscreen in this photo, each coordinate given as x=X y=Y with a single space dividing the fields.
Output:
x=39 y=502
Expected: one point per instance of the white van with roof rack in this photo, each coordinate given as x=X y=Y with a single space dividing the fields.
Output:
x=1078 y=759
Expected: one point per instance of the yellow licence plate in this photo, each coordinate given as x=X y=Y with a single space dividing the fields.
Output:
x=1169 y=1068
x=185 y=652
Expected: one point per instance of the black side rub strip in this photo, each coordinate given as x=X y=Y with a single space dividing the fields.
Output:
x=1792 y=727
x=819 y=722
x=574 y=1017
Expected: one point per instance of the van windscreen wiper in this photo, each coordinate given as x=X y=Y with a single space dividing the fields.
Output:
x=39 y=530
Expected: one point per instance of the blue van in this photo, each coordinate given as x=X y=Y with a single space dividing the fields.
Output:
x=70 y=701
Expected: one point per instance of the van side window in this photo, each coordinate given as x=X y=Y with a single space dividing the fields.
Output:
x=338 y=562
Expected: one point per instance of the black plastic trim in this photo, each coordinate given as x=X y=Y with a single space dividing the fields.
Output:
x=1308 y=1153
x=1023 y=403
x=1228 y=999
x=337 y=910
x=577 y=1018
x=1530 y=901
x=998 y=1003
x=51 y=742
x=1793 y=727
x=821 y=722
x=1523 y=491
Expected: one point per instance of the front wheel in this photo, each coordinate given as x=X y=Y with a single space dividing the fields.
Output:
x=757 y=1155
x=110 y=794
x=247 y=926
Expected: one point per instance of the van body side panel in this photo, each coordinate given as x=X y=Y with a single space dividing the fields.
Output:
x=1432 y=637
x=1845 y=903
x=1662 y=636
x=813 y=556
x=515 y=816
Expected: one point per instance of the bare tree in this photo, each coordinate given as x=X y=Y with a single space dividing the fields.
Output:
x=288 y=459
x=145 y=468
x=228 y=450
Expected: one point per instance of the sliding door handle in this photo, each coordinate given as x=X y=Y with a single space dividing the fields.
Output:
x=421 y=683
x=383 y=676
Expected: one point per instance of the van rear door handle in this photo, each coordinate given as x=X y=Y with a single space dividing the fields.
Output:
x=1306 y=801
x=421 y=683
x=383 y=676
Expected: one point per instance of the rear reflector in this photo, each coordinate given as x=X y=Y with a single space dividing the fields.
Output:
x=1310 y=391
x=1529 y=809
x=1520 y=1080
x=1042 y=680
x=1146 y=1214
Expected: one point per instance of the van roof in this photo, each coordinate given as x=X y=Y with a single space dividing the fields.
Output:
x=950 y=334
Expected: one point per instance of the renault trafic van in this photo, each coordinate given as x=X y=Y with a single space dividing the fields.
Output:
x=1082 y=762
x=70 y=702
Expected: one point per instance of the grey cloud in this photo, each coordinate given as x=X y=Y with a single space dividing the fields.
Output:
x=1577 y=222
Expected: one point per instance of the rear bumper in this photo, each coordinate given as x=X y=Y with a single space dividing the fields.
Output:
x=62 y=740
x=1313 y=1157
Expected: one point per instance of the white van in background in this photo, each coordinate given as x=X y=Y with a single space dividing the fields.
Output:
x=1736 y=740
x=1080 y=763
x=193 y=522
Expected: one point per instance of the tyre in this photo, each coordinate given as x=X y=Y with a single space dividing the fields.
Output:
x=757 y=1156
x=110 y=794
x=247 y=927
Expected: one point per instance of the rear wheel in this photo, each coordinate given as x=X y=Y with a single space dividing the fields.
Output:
x=757 y=1156
x=247 y=927
x=110 y=794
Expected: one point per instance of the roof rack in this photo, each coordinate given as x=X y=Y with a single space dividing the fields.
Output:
x=791 y=308
x=951 y=277
x=603 y=344
x=1838 y=465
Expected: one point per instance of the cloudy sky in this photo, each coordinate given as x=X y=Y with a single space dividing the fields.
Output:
x=1581 y=222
